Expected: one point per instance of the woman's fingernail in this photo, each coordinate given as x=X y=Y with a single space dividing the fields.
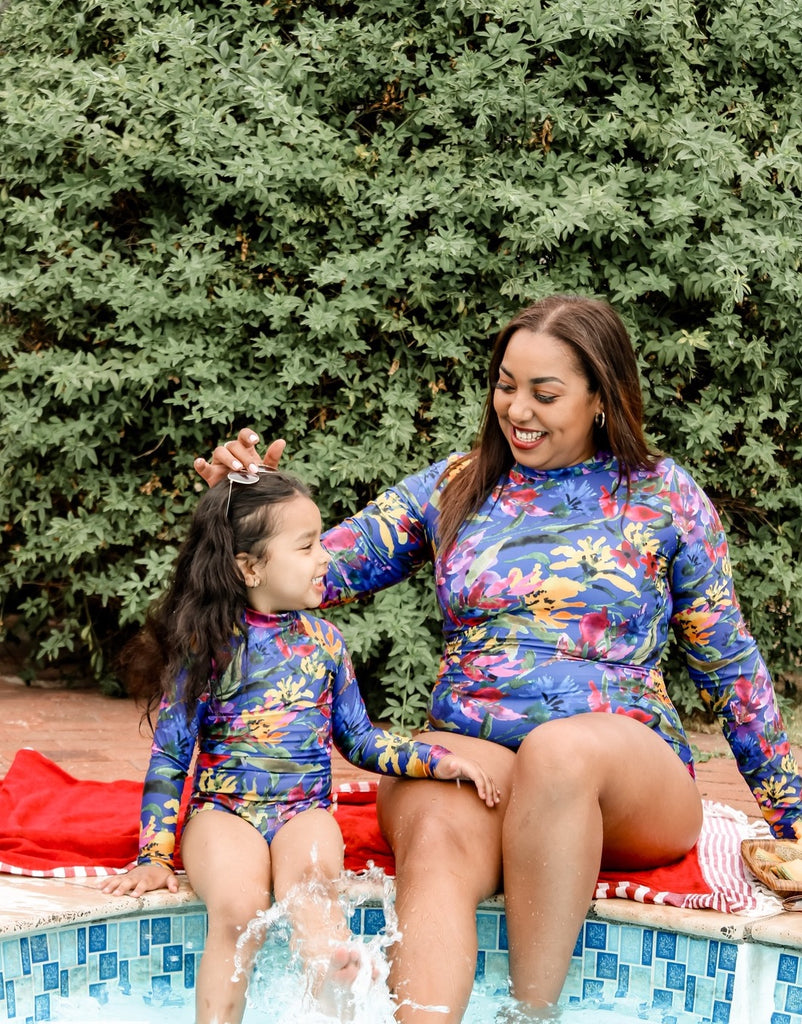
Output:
x=253 y=438
x=253 y=468
x=236 y=464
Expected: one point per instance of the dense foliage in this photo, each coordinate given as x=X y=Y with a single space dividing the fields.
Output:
x=312 y=217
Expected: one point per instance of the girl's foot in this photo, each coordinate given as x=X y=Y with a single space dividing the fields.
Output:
x=335 y=994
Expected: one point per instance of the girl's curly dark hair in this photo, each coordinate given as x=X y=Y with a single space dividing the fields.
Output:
x=195 y=626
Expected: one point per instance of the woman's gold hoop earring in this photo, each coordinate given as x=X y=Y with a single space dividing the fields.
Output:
x=600 y=419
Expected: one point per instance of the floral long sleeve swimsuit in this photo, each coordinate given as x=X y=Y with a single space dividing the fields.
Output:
x=557 y=599
x=264 y=737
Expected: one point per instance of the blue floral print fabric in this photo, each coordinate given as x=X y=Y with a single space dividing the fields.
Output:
x=558 y=597
x=265 y=736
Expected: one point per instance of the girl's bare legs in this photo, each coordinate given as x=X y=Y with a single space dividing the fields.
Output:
x=588 y=790
x=307 y=861
x=228 y=865
x=447 y=846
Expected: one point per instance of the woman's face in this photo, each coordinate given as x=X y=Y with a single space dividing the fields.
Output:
x=543 y=404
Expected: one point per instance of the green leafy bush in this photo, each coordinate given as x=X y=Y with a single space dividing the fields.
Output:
x=313 y=217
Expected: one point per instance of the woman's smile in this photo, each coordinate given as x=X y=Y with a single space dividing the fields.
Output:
x=543 y=404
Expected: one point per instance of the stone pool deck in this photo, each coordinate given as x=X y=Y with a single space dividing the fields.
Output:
x=96 y=737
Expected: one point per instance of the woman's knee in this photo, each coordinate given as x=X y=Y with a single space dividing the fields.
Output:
x=558 y=757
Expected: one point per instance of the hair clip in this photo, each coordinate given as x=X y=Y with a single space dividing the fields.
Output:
x=241 y=477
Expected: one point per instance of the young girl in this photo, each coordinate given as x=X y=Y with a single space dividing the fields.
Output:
x=261 y=688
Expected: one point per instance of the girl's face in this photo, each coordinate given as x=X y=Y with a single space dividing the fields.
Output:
x=290 y=575
x=543 y=404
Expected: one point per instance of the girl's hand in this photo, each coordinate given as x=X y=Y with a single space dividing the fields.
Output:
x=240 y=454
x=141 y=879
x=455 y=767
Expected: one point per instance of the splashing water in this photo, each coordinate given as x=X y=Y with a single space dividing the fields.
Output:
x=277 y=971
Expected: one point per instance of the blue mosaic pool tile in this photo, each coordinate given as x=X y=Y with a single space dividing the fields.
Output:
x=128 y=939
x=195 y=931
x=595 y=935
x=665 y=945
x=727 y=954
x=81 y=945
x=662 y=999
x=705 y=994
x=721 y=1013
x=787 y=968
x=487 y=930
x=592 y=989
x=172 y=959
x=41 y=1008
x=675 y=975
x=67 y=947
x=39 y=949
x=697 y=955
x=640 y=982
x=64 y=984
x=479 y=970
x=793 y=999
x=50 y=977
x=503 y=940
x=25 y=955
x=780 y=1018
x=373 y=921
x=161 y=988
x=629 y=946
x=497 y=971
x=107 y=966
x=690 y=994
x=11 y=1000
x=160 y=931
x=623 y=982
x=189 y=971
x=123 y=978
x=647 y=945
x=144 y=937
x=99 y=991
x=98 y=937
x=607 y=966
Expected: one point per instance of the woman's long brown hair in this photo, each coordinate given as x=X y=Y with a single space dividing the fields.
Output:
x=603 y=351
x=194 y=627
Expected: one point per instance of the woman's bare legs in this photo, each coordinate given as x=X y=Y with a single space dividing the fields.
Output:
x=591 y=790
x=447 y=846
x=228 y=864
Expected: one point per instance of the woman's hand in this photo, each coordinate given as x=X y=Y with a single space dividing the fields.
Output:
x=141 y=879
x=455 y=767
x=240 y=454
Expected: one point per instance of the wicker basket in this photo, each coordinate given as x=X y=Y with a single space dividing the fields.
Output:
x=784 y=886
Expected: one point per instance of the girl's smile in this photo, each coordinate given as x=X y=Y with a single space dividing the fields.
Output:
x=291 y=574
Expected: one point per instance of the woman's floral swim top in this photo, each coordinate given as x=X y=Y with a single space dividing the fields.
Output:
x=557 y=599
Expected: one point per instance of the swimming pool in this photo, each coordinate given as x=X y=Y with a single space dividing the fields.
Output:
x=132 y=967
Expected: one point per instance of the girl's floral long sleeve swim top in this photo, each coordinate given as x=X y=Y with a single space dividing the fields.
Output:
x=264 y=735
x=557 y=599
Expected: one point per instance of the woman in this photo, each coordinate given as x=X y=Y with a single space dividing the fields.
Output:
x=563 y=548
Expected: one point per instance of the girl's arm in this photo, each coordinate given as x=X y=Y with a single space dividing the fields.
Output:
x=170 y=757
x=723 y=659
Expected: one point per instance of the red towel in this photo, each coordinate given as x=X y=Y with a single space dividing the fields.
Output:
x=52 y=824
